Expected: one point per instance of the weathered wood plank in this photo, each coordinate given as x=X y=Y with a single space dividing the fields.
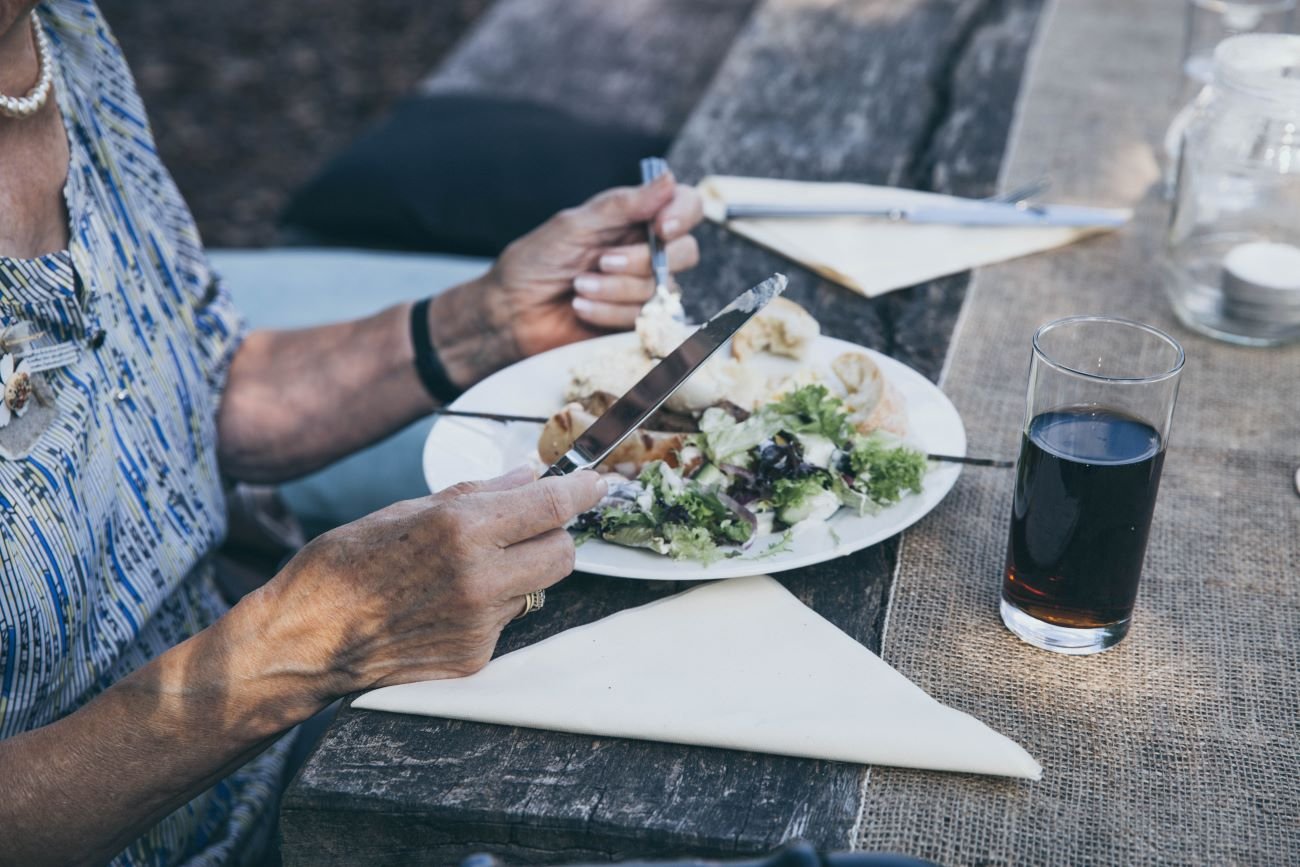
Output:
x=822 y=89
x=915 y=94
x=975 y=98
x=639 y=64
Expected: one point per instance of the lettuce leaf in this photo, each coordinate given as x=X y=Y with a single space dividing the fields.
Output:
x=809 y=410
x=687 y=503
x=883 y=470
x=691 y=543
x=638 y=537
x=813 y=409
x=727 y=441
x=670 y=515
x=792 y=493
x=860 y=503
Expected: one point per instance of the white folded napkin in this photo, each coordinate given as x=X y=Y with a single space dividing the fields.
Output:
x=867 y=255
x=740 y=664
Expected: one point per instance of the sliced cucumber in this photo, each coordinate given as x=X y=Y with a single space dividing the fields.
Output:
x=710 y=476
x=820 y=506
x=817 y=449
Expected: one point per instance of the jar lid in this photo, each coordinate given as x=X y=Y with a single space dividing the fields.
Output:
x=1261 y=282
x=1264 y=65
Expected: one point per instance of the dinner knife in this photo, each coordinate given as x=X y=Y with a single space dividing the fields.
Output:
x=972 y=213
x=633 y=408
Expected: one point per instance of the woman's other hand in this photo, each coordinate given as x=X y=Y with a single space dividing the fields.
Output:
x=421 y=590
x=583 y=273
x=587 y=270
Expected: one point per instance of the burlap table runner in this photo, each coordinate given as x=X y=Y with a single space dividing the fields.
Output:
x=1182 y=745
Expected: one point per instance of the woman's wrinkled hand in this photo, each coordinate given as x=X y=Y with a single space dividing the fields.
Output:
x=582 y=273
x=422 y=589
x=587 y=270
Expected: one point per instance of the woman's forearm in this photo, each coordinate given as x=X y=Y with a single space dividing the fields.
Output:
x=298 y=400
x=81 y=789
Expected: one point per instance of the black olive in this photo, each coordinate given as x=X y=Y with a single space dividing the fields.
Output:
x=677 y=514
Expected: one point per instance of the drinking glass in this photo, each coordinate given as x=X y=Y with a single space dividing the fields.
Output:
x=1101 y=397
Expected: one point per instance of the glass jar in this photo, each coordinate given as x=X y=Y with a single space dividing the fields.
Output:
x=1206 y=24
x=1232 y=268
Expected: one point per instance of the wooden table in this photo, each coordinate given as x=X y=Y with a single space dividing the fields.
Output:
x=916 y=93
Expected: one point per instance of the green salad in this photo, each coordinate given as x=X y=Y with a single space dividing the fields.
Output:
x=797 y=459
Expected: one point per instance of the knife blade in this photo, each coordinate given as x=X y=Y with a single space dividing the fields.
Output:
x=633 y=408
x=972 y=213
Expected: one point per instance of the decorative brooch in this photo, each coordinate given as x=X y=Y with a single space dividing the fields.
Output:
x=17 y=376
x=17 y=380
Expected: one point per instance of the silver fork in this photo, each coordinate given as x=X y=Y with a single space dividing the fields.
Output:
x=50 y=357
x=653 y=168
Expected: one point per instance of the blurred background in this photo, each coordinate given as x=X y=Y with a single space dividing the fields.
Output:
x=248 y=99
x=409 y=125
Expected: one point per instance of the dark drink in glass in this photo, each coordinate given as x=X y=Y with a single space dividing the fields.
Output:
x=1091 y=476
x=1101 y=395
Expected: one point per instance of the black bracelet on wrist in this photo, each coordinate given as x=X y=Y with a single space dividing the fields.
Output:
x=427 y=364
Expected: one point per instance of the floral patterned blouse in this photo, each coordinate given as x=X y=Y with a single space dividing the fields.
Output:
x=111 y=503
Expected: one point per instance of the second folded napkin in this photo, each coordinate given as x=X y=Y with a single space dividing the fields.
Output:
x=738 y=664
x=871 y=256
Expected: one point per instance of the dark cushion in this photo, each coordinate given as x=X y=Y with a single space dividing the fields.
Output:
x=464 y=174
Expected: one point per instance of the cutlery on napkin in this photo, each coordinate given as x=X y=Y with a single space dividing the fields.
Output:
x=738 y=664
x=873 y=256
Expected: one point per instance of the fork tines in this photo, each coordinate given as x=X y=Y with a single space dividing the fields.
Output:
x=652 y=167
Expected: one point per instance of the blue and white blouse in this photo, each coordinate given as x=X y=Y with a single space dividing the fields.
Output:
x=108 y=518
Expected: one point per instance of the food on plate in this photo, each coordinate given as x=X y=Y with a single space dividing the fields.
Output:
x=734 y=455
x=661 y=327
x=610 y=372
x=782 y=328
x=872 y=402
x=639 y=449
x=664 y=419
x=794 y=461
x=659 y=332
x=668 y=514
x=657 y=440
x=718 y=380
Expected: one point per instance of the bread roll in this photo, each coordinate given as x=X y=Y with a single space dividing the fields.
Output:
x=871 y=401
x=782 y=328
x=611 y=372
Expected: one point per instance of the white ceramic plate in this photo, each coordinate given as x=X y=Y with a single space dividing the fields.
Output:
x=467 y=449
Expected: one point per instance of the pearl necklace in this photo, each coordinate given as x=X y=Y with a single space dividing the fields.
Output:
x=34 y=101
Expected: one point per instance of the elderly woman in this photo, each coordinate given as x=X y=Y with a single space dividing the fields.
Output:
x=140 y=718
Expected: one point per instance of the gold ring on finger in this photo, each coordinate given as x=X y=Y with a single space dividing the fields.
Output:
x=534 y=601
